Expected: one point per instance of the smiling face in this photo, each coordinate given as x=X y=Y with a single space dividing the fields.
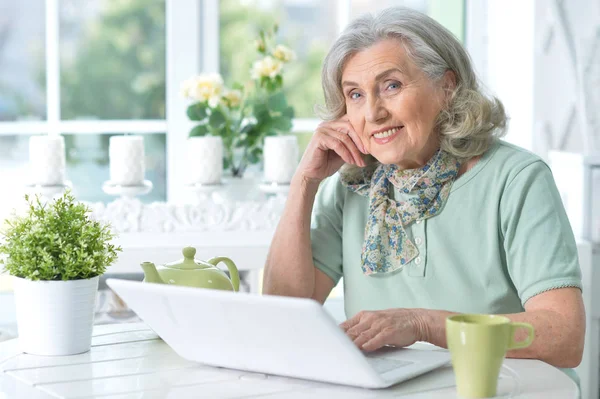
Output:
x=392 y=104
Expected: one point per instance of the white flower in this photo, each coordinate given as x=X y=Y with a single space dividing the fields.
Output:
x=207 y=87
x=267 y=67
x=214 y=101
x=284 y=53
x=233 y=98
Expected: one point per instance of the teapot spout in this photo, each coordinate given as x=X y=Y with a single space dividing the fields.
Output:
x=150 y=273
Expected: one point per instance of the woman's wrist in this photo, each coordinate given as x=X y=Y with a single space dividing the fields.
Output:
x=305 y=185
x=430 y=326
x=419 y=322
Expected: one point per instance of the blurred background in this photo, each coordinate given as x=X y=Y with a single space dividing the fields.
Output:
x=81 y=67
x=92 y=69
x=96 y=68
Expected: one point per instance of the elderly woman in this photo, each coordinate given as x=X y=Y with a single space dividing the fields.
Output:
x=429 y=212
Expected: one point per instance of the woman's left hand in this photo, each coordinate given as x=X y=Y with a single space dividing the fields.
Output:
x=370 y=330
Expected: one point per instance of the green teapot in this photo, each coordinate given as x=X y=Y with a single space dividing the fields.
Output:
x=194 y=273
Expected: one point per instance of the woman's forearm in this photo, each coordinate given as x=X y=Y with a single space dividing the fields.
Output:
x=558 y=340
x=289 y=269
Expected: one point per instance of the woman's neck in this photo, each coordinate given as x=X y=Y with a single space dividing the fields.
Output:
x=468 y=165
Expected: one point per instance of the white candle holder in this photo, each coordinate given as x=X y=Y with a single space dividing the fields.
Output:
x=120 y=190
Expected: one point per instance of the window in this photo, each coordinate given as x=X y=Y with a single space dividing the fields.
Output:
x=88 y=71
x=94 y=69
x=294 y=18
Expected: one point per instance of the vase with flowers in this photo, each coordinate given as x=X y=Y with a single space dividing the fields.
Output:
x=244 y=114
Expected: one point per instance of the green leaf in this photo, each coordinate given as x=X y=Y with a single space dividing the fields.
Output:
x=248 y=128
x=217 y=119
x=255 y=155
x=281 y=123
x=264 y=81
x=277 y=102
x=288 y=112
x=197 y=112
x=198 y=131
x=261 y=113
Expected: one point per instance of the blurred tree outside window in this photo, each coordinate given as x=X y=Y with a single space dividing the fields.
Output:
x=22 y=50
x=308 y=27
x=113 y=59
x=112 y=66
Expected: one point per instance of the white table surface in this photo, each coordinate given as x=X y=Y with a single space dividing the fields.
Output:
x=129 y=361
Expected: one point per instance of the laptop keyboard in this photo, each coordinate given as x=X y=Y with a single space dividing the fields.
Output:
x=383 y=364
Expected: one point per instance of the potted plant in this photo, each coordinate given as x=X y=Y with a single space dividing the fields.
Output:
x=244 y=114
x=56 y=252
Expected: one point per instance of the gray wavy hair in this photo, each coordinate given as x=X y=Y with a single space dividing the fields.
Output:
x=471 y=120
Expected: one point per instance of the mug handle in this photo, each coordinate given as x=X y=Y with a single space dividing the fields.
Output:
x=521 y=344
x=233 y=271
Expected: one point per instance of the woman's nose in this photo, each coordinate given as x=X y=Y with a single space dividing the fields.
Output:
x=376 y=110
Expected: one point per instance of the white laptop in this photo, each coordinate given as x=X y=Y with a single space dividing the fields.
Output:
x=291 y=337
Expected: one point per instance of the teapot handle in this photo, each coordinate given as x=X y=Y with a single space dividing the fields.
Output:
x=233 y=271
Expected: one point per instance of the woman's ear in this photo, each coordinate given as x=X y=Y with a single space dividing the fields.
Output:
x=449 y=81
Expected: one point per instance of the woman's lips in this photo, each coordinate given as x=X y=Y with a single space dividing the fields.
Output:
x=385 y=140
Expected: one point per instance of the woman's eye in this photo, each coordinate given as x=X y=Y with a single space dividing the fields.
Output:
x=354 y=95
x=394 y=86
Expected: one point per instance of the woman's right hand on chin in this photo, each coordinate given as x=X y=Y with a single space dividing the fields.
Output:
x=333 y=144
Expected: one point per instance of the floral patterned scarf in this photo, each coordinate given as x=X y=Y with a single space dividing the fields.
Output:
x=386 y=247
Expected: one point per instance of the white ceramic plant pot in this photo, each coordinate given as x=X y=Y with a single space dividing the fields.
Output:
x=55 y=317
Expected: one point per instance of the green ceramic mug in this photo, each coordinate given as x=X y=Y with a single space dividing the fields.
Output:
x=477 y=345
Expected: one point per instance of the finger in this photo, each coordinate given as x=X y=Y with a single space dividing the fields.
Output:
x=344 y=126
x=335 y=145
x=349 y=143
x=382 y=338
x=355 y=331
x=359 y=144
x=329 y=142
x=349 y=323
x=353 y=321
x=366 y=336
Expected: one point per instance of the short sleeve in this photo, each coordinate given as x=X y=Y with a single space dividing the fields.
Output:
x=326 y=228
x=541 y=253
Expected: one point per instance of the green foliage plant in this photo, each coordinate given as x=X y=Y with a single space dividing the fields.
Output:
x=57 y=240
x=246 y=113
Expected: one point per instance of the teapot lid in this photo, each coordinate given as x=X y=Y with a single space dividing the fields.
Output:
x=188 y=261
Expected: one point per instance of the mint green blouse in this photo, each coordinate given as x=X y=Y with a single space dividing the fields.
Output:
x=502 y=237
